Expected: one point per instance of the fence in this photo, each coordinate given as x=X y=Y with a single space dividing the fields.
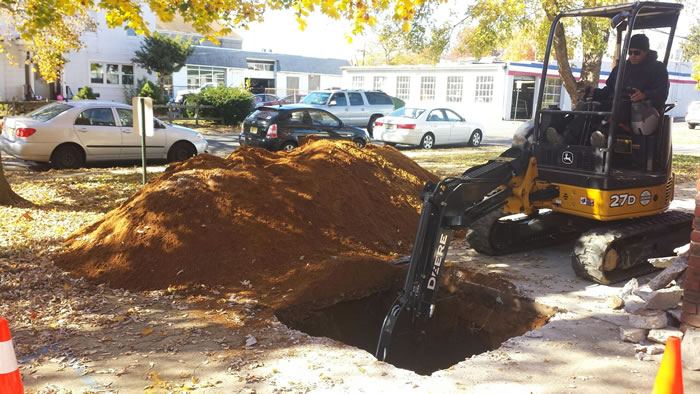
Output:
x=173 y=112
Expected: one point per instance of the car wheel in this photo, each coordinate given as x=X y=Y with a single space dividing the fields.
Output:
x=289 y=145
x=428 y=141
x=359 y=142
x=475 y=139
x=181 y=151
x=67 y=156
x=370 y=125
x=691 y=125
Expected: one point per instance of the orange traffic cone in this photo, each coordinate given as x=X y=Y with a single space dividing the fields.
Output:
x=669 y=380
x=10 y=379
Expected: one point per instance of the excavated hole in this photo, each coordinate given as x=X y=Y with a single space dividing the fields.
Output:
x=470 y=318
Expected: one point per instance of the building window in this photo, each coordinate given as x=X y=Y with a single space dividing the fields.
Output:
x=111 y=74
x=379 y=83
x=552 y=93
x=259 y=65
x=198 y=76
x=484 y=89
x=427 y=88
x=96 y=73
x=403 y=87
x=358 y=82
x=455 y=87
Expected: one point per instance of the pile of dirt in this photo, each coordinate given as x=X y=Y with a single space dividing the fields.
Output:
x=319 y=223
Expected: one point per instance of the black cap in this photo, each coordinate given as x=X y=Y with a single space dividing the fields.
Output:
x=639 y=41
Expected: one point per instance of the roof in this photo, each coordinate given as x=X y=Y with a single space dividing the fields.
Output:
x=224 y=57
x=178 y=25
x=651 y=14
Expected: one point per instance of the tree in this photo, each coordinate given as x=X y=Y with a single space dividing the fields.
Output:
x=691 y=51
x=163 y=54
x=48 y=29
x=500 y=22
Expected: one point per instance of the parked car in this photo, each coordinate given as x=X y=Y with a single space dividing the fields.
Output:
x=354 y=107
x=70 y=134
x=265 y=99
x=182 y=94
x=291 y=99
x=427 y=128
x=692 y=117
x=280 y=128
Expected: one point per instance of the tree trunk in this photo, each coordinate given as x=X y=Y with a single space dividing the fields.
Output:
x=7 y=196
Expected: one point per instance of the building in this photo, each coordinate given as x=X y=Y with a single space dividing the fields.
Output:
x=493 y=90
x=105 y=65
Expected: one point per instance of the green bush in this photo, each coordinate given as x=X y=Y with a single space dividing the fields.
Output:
x=85 y=93
x=145 y=88
x=232 y=104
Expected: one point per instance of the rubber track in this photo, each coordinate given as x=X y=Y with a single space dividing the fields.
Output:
x=591 y=247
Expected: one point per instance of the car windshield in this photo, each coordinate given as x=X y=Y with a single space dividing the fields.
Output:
x=265 y=113
x=316 y=98
x=404 y=112
x=49 y=111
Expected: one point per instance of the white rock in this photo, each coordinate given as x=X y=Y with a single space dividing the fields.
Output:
x=632 y=334
x=661 y=335
x=655 y=349
x=690 y=349
x=250 y=341
x=648 y=319
x=628 y=288
x=633 y=303
x=643 y=291
x=670 y=273
x=615 y=302
x=664 y=298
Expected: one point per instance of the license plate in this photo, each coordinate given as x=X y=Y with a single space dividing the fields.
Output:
x=253 y=130
x=389 y=126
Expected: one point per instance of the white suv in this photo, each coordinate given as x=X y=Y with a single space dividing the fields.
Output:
x=354 y=107
x=692 y=117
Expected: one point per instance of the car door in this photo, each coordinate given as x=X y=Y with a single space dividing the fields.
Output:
x=297 y=124
x=97 y=130
x=131 y=141
x=338 y=106
x=459 y=129
x=325 y=125
x=440 y=126
x=358 y=114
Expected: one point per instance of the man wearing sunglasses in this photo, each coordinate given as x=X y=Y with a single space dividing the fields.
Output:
x=645 y=81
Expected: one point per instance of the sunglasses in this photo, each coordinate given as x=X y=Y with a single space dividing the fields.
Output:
x=635 y=52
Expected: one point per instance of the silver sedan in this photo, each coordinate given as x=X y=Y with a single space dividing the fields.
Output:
x=69 y=134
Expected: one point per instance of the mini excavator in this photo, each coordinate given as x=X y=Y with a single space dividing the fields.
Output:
x=612 y=201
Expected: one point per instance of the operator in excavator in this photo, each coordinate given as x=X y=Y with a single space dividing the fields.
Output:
x=645 y=81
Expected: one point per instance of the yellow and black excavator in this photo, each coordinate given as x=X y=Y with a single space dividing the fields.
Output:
x=613 y=201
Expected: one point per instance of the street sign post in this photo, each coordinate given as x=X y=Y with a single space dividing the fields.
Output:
x=143 y=125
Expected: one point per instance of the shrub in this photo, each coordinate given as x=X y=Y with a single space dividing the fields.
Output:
x=145 y=88
x=85 y=93
x=233 y=104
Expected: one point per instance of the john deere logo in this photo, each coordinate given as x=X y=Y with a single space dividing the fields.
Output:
x=567 y=157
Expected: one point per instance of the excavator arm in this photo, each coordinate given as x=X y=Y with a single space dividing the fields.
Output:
x=451 y=204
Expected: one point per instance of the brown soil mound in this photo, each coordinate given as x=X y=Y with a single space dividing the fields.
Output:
x=319 y=223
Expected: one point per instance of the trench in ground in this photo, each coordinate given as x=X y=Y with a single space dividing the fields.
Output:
x=470 y=318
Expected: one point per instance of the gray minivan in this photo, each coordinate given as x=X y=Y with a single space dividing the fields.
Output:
x=358 y=108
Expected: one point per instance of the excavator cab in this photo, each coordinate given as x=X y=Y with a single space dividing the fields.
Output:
x=636 y=155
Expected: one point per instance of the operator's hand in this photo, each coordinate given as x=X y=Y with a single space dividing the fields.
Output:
x=637 y=95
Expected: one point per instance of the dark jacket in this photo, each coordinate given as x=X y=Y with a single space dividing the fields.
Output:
x=649 y=76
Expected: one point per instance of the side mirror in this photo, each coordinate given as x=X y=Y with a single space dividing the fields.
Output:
x=619 y=19
x=332 y=103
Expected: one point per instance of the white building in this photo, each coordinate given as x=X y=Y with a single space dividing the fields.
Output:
x=105 y=65
x=496 y=90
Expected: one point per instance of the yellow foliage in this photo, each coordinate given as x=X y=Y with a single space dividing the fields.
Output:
x=48 y=29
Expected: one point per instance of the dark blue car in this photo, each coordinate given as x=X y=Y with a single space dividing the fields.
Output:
x=281 y=127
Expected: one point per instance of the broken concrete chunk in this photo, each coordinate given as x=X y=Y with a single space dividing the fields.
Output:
x=691 y=349
x=648 y=319
x=672 y=272
x=643 y=292
x=615 y=302
x=633 y=303
x=662 y=335
x=662 y=262
x=655 y=349
x=675 y=313
x=633 y=334
x=628 y=288
x=664 y=298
